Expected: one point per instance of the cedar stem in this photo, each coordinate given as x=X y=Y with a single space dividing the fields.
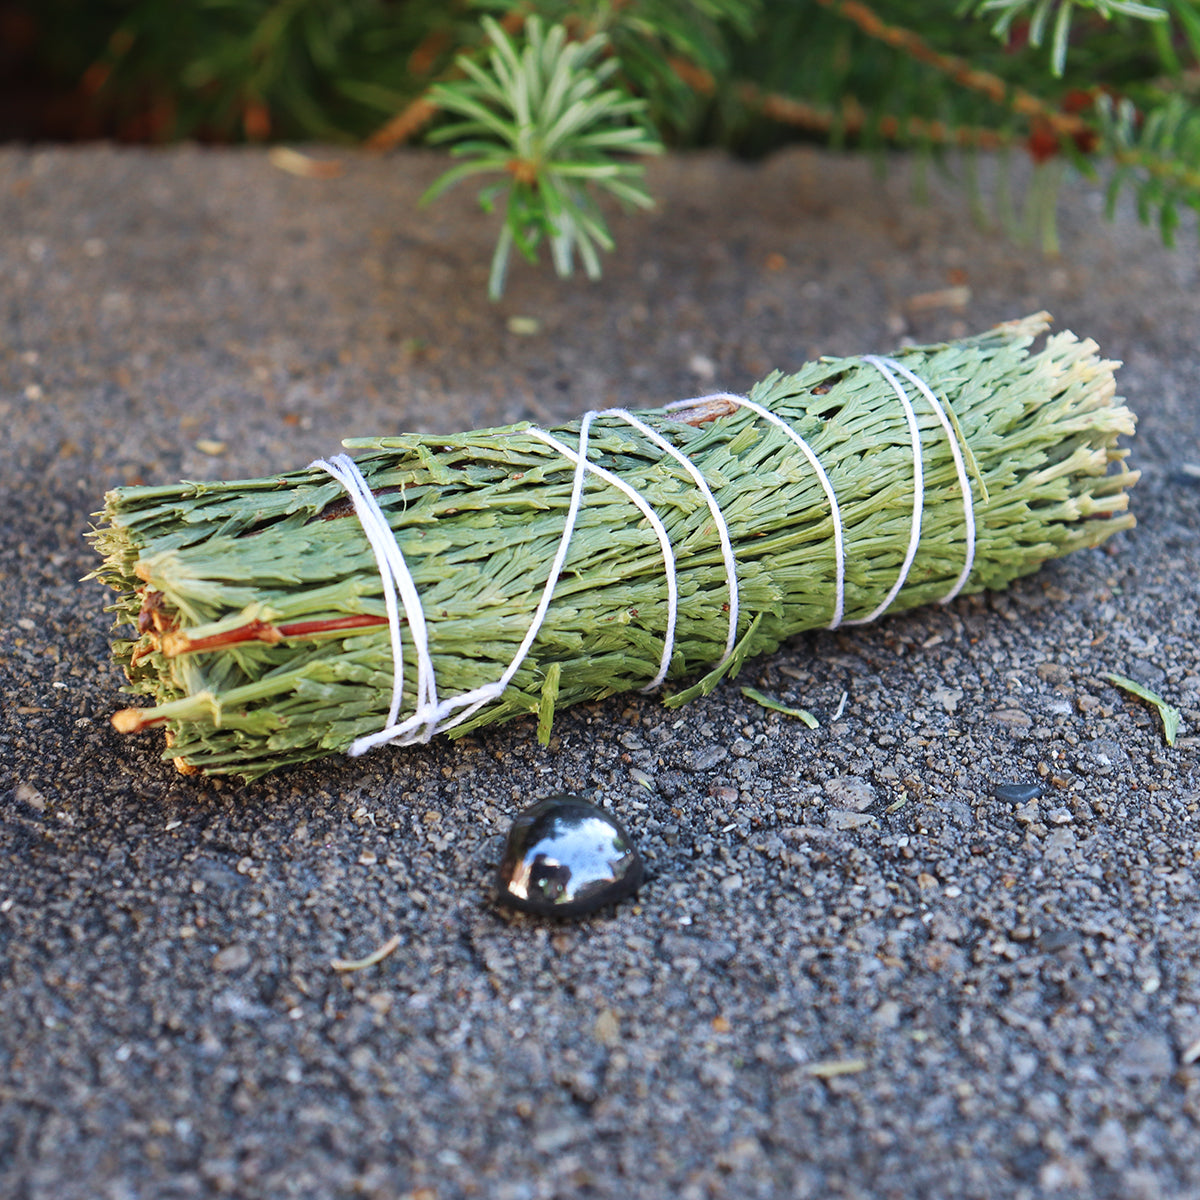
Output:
x=176 y=641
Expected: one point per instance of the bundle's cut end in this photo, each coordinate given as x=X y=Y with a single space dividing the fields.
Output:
x=134 y=720
x=261 y=632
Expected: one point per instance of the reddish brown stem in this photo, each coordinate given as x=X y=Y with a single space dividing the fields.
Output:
x=177 y=641
x=308 y=628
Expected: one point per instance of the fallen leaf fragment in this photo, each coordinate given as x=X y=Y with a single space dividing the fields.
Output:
x=831 y=1068
x=1167 y=712
x=776 y=706
x=951 y=297
x=295 y=163
x=359 y=964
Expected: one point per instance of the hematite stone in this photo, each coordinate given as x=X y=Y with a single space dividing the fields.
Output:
x=565 y=857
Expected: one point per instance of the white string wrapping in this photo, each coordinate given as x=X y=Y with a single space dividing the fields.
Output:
x=964 y=484
x=839 y=554
x=656 y=524
x=718 y=521
x=431 y=716
x=885 y=367
x=914 y=535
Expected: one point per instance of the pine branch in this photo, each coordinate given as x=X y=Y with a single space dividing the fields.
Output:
x=1018 y=100
x=852 y=118
x=1157 y=155
x=540 y=117
x=1156 y=148
x=663 y=46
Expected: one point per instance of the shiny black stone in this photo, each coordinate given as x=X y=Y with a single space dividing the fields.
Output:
x=566 y=857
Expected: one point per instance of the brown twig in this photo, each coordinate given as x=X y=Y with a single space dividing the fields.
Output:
x=958 y=69
x=406 y=124
x=853 y=118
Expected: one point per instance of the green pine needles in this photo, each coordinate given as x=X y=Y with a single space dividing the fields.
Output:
x=260 y=636
x=1041 y=14
x=1158 y=157
x=542 y=119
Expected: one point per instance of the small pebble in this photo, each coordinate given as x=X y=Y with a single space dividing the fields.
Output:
x=842 y=818
x=231 y=958
x=1051 y=941
x=565 y=857
x=850 y=792
x=1017 y=793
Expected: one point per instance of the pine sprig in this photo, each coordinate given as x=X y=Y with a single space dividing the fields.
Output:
x=542 y=119
x=663 y=46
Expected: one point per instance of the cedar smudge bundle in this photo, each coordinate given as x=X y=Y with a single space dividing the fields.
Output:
x=263 y=635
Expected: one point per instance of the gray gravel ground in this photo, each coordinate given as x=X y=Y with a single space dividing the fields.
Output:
x=854 y=972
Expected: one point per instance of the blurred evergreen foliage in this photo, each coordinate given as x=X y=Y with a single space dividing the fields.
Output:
x=1085 y=82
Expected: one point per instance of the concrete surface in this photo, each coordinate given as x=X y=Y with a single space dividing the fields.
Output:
x=961 y=996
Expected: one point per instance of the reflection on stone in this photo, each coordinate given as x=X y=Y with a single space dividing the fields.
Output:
x=566 y=857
